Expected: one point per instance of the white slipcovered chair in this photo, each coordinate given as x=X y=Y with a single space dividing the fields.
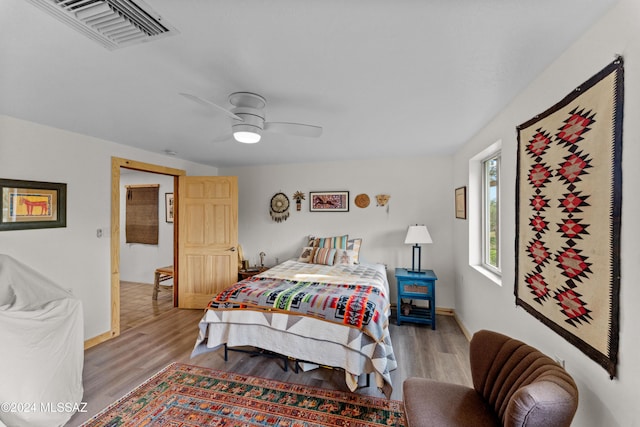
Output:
x=41 y=348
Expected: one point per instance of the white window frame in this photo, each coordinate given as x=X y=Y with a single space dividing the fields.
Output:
x=486 y=216
x=475 y=213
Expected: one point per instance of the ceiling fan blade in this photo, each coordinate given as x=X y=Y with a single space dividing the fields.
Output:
x=222 y=138
x=298 y=129
x=211 y=104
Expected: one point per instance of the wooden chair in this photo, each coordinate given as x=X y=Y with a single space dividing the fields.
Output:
x=162 y=274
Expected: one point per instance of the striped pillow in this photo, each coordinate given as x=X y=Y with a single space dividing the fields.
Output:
x=324 y=256
x=333 y=242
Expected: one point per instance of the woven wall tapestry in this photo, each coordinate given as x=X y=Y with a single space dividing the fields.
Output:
x=142 y=214
x=568 y=205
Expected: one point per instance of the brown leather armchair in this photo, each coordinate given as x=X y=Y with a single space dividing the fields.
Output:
x=513 y=385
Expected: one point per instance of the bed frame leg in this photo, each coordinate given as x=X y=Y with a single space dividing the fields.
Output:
x=226 y=352
x=367 y=383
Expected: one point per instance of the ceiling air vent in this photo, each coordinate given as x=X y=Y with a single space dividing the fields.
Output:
x=112 y=23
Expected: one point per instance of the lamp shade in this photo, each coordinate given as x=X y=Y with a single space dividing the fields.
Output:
x=417 y=234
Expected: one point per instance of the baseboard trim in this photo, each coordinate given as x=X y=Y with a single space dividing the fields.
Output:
x=91 y=342
x=439 y=310
x=462 y=328
x=451 y=312
x=445 y=311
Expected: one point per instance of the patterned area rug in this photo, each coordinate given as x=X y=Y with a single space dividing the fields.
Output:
x=185 y=395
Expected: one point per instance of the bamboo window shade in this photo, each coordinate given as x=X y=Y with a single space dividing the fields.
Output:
x=142 y=214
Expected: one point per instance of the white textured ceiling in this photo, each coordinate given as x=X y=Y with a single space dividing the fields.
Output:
x=383 y=78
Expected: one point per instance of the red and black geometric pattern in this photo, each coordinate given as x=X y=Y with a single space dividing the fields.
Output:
x=538 y=253
x=571 y=262
x=575 y=126
x=539 y=175
x=573 y=167
x=572 y=202
x=539 y=203
x=539 y=143
x=572 y=229
x=572 y=306
x=539 y=224
x=538 y=286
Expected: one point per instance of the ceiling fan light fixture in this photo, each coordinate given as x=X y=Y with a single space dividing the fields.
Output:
x=248 y=129
x=246 y=136
x=248 y=118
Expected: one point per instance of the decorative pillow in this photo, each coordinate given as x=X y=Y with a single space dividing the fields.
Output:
x=307 y=254
x=324 y=256
x=333 y=242
x=346 y=257
x=354 y=245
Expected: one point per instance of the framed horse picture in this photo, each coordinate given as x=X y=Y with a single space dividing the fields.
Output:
x=32 y=204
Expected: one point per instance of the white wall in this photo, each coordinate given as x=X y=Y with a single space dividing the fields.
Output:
x=481 y=303
x=421 y=192
x=139 y=261
x=73 y=256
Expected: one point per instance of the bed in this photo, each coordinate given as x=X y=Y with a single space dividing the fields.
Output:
x=330 y=315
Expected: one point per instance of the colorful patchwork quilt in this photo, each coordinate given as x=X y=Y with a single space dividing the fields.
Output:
x=360 y=306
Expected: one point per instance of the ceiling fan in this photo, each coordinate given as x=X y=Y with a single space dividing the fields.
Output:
x=248 y=117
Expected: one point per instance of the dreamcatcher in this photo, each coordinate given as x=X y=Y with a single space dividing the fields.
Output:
x=279 y=208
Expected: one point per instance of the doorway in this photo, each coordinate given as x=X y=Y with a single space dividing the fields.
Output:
x=145 y=248
x=116 y=165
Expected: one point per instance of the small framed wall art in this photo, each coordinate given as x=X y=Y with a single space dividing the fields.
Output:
x=329 y=201
x=32 y=204
x=168 y=206
x=461 y=202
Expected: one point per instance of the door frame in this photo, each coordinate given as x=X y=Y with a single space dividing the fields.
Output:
x=116 y=164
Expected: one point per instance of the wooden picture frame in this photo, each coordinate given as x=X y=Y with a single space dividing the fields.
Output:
x=32 y=204
x=168 y=206
x=329 y=201
x=461 y=202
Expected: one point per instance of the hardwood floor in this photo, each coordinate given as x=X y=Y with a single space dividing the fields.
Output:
x=137 y=307
x=154 y=334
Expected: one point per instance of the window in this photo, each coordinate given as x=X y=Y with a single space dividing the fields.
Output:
x=484 y=212
x=491 y=213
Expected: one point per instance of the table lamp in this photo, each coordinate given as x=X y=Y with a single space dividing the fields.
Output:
x=417 y=235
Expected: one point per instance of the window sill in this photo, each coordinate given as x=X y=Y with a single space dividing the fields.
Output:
x=495 y=278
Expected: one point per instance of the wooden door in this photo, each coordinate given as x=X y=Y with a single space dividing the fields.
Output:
x=207 y=237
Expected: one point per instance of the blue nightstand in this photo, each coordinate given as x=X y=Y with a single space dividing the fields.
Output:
x=417 y=286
